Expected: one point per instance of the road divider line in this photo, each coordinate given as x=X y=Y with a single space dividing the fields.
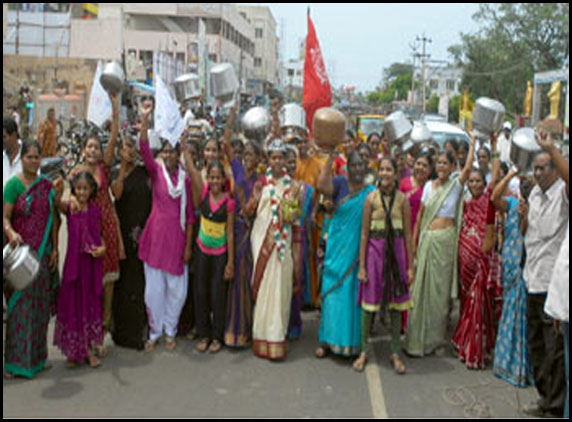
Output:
x=375 y=387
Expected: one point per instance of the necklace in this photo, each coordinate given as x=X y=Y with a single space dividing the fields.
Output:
x=280 y=231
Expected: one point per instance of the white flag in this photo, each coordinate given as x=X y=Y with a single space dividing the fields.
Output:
x=99 y=109
x=168 y=122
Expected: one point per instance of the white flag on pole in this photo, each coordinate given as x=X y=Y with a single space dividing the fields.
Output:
x=168 y=122
x=99 y=109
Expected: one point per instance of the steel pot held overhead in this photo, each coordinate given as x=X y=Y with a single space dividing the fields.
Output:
x=488 y=117
x=256 y=124
x=224 y=84
x=397 y=127
x=524 y=148
x=112 y=78
x=187 y=87
x=329 y=128
x=292 y=117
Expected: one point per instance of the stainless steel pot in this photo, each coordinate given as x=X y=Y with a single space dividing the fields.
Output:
x=224 y=83
x=112 y=78
x=292 y=117
x=524 y=148
x=187 y=87
x=52 y=167
x=256 y=124
x=420 y=133
x=488 y=117
x=397 y=127
x=21 y=266
x=329 y=128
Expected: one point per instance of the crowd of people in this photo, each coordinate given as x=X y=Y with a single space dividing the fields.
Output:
x=225 y=243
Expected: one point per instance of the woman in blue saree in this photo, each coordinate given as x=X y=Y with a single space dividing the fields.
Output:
x=512 y=361
x=340 y=328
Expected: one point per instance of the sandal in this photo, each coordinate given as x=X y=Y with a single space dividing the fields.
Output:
x=93 y=361
x=150 y=346
x=100 y=351
x=398 y=365
x=215 y=347
x=321 y=352
x=203 y=345
x=360 y=363
x=170 y=344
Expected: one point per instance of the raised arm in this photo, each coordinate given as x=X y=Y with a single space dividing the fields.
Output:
x=497 y=198
x=228 y=151
x=145 y=148
x=326 y=179
x=109 y=155
x=466 y=173
x=195 y=175
x=562 y=166
x=496 y=160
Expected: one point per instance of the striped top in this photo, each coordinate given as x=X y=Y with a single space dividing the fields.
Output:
x=212 y=239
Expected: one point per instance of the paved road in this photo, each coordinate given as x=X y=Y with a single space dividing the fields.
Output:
x=237 y=384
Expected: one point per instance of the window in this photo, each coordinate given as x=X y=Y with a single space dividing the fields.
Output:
x=434 y=84
x=257 y=62
x=146 y=57
x=259 y=33
x=451 y=84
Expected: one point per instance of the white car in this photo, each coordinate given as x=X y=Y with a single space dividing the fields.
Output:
x=442 y=132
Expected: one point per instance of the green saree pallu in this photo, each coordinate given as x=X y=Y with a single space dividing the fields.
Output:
x=435 y=279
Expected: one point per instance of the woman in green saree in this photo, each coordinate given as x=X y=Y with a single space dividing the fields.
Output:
x=436 y=236
x=28 y=218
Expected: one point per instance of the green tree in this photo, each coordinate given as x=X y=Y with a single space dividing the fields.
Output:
x=398 y=84
x=515 y=41
x=432 y=106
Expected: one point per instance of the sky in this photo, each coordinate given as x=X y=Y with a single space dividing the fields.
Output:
x=360 y=39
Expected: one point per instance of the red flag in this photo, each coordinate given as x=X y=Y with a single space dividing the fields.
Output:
x=317 y=89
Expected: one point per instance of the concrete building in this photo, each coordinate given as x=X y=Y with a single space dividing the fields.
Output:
x=143 y=28
x=444 y=81
x=292 y=78
x=266 y=47
x=5 y=19
x=105 y=30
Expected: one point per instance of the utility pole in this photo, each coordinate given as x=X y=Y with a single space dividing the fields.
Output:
x=424 y=56
x=414 y=47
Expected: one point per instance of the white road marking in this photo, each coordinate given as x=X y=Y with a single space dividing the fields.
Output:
x=375 y=388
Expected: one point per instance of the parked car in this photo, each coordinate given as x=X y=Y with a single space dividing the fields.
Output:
x=442 y=132
x=433 y=118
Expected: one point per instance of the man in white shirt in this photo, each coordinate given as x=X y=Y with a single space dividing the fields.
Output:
x=11 y=146
x=558 y=303
x=504 y=142
x=547 y=224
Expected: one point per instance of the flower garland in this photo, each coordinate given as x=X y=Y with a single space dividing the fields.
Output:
x=280 y=231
